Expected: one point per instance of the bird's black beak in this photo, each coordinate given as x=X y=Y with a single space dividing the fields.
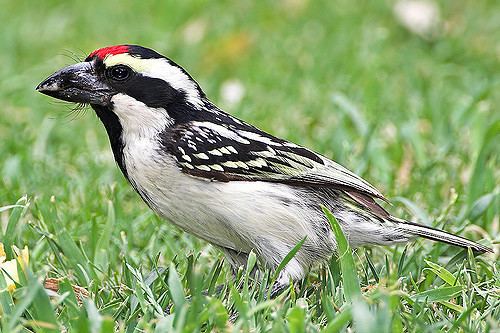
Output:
x=77 y=83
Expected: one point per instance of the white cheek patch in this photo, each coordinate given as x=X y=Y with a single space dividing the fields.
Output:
x=139 y=119
x=160 y=69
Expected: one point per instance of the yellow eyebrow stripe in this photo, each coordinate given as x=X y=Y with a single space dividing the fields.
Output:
x=137 y=64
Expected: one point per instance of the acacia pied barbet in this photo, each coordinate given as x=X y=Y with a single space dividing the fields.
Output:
x=220 y=178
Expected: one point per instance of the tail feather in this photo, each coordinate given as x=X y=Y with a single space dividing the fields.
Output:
x=440 y=235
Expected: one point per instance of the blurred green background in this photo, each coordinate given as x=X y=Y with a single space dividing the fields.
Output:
x=346 y=80
x=416 y=114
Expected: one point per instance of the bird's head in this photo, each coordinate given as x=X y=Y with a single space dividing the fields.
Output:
x=129 y=83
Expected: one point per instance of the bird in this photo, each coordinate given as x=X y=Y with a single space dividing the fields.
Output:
x=220 y=178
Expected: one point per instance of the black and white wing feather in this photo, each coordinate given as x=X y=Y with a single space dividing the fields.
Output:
x=231 y=151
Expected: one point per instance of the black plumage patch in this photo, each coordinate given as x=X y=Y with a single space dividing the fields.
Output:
x=143 y=52
x=204 y=153
x=153 y=92
x=114 y=130
x=220 y=147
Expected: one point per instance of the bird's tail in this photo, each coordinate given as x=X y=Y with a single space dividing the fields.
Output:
x=439 y=235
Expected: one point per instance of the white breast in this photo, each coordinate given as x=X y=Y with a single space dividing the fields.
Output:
x=238 y=215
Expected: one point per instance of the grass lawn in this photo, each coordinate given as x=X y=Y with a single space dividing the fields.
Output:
x=419 y=118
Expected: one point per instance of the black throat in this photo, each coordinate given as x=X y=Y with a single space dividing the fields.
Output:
x=114 y=130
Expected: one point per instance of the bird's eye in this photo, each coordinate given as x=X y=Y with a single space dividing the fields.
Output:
x=119 y=72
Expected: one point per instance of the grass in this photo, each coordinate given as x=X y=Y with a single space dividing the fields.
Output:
x=418 y=118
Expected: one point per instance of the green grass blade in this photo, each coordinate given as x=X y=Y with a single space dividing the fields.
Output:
x=14 y=225
x=37 y=302
x=439 y=294
x=296 y=318
x=101 y=256
x=287 y=258
x=372 y=268
x=340 y=321
x=402 y=261
x=352 y=290
x=20 y=308
x=6 y=302
x=442 y=272
x=176 y=288
x=478 y=181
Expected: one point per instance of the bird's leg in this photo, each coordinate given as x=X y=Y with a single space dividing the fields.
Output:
x=277 y=288
x=234 y=258
x=281 y=284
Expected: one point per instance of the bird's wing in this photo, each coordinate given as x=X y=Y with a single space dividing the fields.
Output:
x=238 y=151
